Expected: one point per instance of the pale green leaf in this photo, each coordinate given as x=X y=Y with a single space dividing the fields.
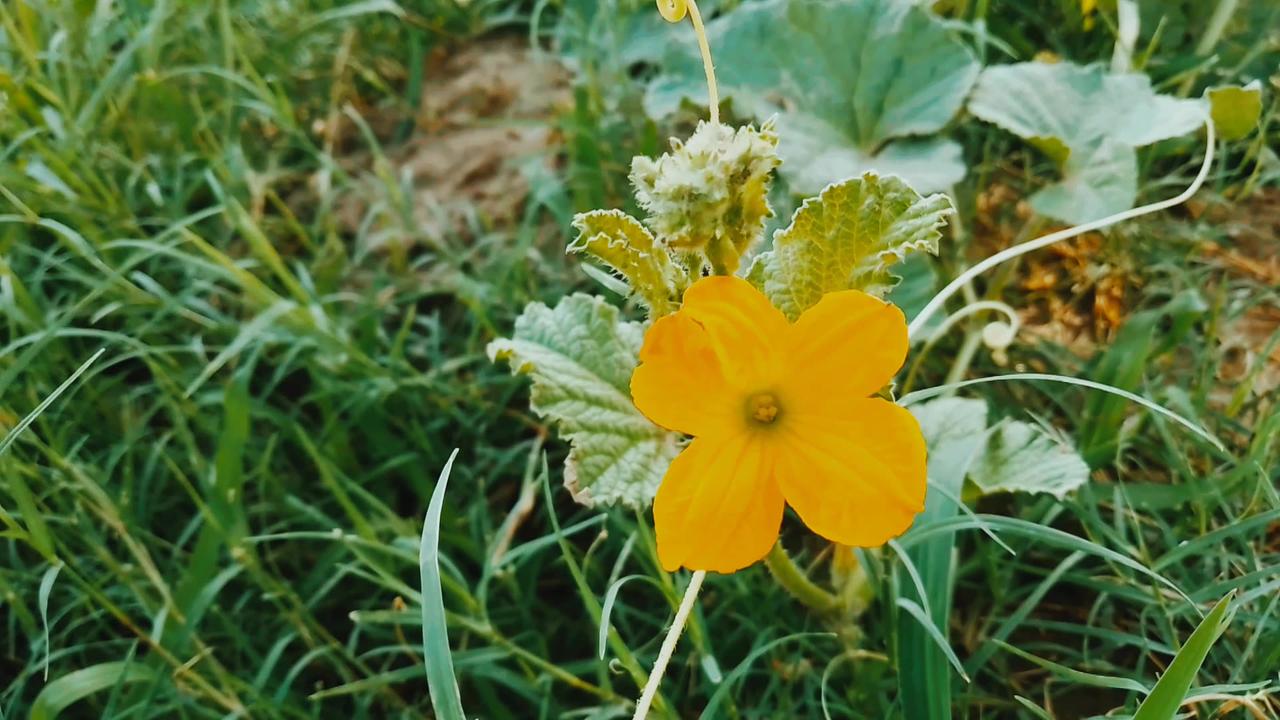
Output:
x=1087 y=120
x=580 y=356
x=846 y=79
x=1096 y=182
x=1235 y=110
x=953 y=431
x=1020 y=457
x=848 y=237
x=710 y=193
x=918 y=286
x=622 y=243
x=817 y=154
x=618 y=33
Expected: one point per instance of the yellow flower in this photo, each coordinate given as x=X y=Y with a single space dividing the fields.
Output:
x=781 y=413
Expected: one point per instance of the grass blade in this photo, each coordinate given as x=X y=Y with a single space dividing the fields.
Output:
x=44 y=405
x=1167 y=696
x=1079 y=677
x=441 y=681
x=46 y=587
x=73 y=687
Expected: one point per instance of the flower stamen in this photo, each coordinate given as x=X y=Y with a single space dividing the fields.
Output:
x=762 y=408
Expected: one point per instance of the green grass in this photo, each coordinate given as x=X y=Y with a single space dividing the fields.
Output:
x=221 y=516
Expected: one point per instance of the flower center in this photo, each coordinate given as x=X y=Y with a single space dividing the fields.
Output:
x=762 y=408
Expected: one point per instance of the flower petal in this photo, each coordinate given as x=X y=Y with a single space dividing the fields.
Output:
x=857 y=479
x=718 y=507
x=745 y=329
x=679 y=384
x=847 y=346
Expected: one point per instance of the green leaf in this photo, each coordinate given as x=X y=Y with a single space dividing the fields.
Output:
x=581 y=355
x=847 y=79
x=1235 y=110
x=1088 y=121
x=918 y=286
x=73 y=687
x=710 y=193
x=848 y=238
x=442 y=683
x=1170 y=690
x=618 y=33
x=622 y=243
x=1021 y=457
x=1096 y=182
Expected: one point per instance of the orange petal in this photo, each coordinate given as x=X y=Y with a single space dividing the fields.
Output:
x=847 y=346
x=857 y=479
x=718 y=507
x=745 y=329
x=679 y=384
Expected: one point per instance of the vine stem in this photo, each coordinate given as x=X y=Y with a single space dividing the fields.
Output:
x=794 y=581
x=713 y=94
x=669 y=644
x=1018 y=250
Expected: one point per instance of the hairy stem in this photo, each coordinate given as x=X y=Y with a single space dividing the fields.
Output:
x=669 y=645
x=794 y=581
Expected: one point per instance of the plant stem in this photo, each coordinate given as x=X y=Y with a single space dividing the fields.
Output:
x=713 y=95
x=794 y=581
x=669 y=645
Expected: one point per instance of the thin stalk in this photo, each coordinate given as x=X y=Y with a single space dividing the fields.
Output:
x=713 y=95
x=669 y=645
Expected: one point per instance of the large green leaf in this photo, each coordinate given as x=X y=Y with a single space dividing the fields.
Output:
x=581 y=355
x=847 y=79
x=621 y=33
x=848 y=238
x=1021 y=457
x=1088 y=121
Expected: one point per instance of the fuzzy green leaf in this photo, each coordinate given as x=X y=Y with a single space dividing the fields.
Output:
x=1088 y=121
x=622 y=243
x=1235 y=110
x=847 y=80
x=848 y=237
x=1020 y=457
x=580 y=355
